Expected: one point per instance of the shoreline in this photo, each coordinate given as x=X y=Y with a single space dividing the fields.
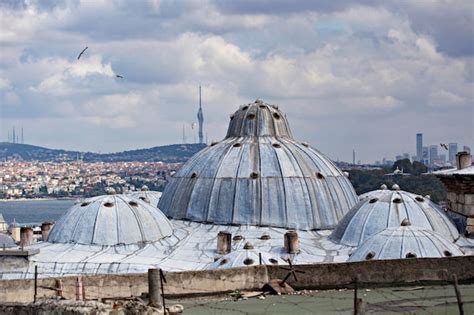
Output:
x=37 y=199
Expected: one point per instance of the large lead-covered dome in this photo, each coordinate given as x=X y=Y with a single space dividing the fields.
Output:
x=111 y=220
x=259 y=175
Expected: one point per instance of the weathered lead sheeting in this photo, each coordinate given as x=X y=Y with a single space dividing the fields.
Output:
x=111 y=220
x=385 y=208
x=244 y=258
x=149 y=196
x=259 y=175
x=6 y=241
x=405 y=242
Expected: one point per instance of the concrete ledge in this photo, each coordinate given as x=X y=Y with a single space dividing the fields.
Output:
x=209 y=282
x=19 y=252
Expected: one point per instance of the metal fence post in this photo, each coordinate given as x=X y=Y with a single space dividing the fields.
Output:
x=458 y=295
x=36 y=284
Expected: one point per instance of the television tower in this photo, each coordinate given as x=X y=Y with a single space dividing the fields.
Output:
x=200 y=118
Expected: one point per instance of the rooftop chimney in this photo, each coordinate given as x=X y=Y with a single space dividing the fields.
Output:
x=224 y=242
x=292 y=243
x=463 y=159
x=45 y=229
x=26 y=236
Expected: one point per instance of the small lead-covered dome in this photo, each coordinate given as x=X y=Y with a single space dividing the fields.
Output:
x=111 y=220
x=6 y=241
x=385 y=208
x=149 y=196
x=405 y=241
x=259 y=175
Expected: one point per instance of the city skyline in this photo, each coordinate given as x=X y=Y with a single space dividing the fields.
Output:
x=349 y=76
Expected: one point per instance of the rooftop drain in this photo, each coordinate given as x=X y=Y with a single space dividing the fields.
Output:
x=276 y=116
x=248 y=245
x=265 y=236
x=245 y=108
x=276 y=145
x=410 y=255
x=254 y=175
x=214 y=143
x=248 y=261
x=108 y=204
x=262 y=106
x=319 y=175
x=231 y=116
x=85 y=204
x=447 y=253
x=238 y=237
x=273 y=261
x=223 y=262
x=405 y=222
x=251 y=116
x=419 y=198
x=305 y=144
x=194 y=175
x=373 y=200
x=397 y=200
x=370 y=255
x=237 y=145
x=133 y=203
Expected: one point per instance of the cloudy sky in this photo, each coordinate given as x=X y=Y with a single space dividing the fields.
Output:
x=348 y=74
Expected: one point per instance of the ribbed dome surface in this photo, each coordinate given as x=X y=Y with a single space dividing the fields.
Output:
x=384 y=208
x=258 y=119
x=259 y=175
x=6 y=241
x=150 y=197
x=111 y=220
x=405 y=242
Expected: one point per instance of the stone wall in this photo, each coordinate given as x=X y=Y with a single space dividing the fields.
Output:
x=461 y=197
x=207 y=282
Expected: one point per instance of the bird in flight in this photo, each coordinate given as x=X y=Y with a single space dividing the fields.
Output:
x=119 y=76
x=78 y=57
x=444 y=145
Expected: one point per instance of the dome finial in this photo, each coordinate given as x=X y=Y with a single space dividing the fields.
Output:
x=383 y=187
x=145 y=188
x=395 y=187
x=110 y=191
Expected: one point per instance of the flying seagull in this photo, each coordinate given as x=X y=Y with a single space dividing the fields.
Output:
x=78 y=57
x=444 y=145
x=119 y=76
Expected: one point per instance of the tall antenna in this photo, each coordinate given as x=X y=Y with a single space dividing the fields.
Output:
x=200 y=118
x=14 y=138
x=22 y=139
x=184 y=135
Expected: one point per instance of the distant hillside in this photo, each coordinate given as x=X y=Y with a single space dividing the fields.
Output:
x=168 y=153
